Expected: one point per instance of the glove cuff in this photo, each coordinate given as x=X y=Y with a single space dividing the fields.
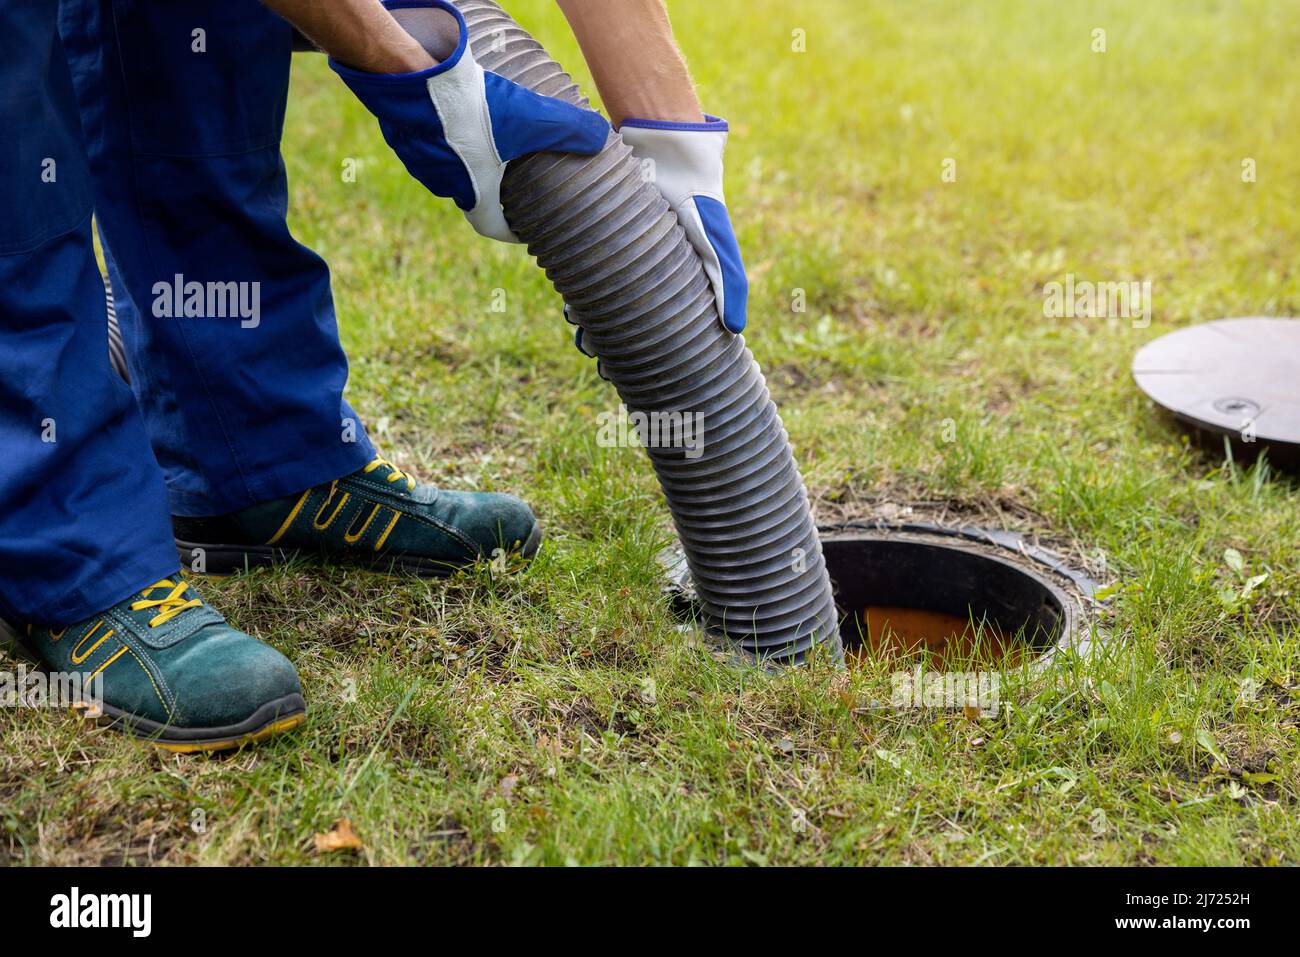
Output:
x=711 y=124
x=379 y=91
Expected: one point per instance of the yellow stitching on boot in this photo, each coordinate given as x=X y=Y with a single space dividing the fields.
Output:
x=316 y=522
x=171 y=714
x=78 y=658
x=55 y=635
x=391 y=525
x=112 y=658
x=349 y=537
x=289 y=521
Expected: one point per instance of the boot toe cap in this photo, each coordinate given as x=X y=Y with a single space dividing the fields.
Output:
x=232 y=680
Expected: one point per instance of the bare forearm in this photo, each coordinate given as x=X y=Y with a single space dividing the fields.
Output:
x=358 y=33
x=638 y=68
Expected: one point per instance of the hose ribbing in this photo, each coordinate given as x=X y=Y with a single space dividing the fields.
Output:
x=612 y=247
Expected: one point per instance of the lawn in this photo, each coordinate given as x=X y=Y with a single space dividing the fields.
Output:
x=557 y=714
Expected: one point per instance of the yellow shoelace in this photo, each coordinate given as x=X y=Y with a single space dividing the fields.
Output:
x=170 y=606
x=396 y=475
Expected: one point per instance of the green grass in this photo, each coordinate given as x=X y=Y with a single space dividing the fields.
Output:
x=557 y=715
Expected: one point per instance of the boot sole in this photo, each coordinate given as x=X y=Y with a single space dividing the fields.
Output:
x=271 y=719
x=222 y=559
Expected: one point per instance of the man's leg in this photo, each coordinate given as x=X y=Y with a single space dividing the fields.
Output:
x=183 y=106
x=85 y=520
x=228 y=321
x=86 y=554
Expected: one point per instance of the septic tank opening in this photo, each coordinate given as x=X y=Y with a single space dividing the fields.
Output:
x=945 y=597
x=954 y=596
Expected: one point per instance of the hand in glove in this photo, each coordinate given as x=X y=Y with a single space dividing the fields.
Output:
x=688 y=171
x=456 y=125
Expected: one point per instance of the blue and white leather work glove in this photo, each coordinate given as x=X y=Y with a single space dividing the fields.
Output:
x=688 y=171
x=456 y=125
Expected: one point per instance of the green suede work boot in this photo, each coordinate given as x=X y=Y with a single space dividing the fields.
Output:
x=378 y=517
x=172 y=671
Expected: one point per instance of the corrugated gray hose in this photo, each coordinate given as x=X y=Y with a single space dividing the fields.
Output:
x=614 y=251
x=116 y=350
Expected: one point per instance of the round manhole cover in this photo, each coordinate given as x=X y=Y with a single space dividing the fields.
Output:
x=1238 y=378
